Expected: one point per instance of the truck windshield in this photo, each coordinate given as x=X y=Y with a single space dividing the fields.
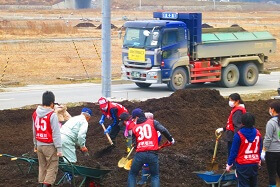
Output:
x=134 y=37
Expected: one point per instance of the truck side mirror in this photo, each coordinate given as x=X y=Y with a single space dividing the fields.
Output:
x=155 y=36
x=146 y=33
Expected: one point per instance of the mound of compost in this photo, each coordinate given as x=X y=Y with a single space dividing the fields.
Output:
x=191 y=116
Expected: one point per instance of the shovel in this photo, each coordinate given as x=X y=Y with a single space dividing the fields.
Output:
x=128 y=164
x=213 y=166
x=122 y=162
x=110 y=141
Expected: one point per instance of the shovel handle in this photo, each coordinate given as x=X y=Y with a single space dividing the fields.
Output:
x=130 y=152
x=110 y=141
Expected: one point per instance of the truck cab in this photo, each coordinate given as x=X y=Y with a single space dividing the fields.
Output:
x=172 y=49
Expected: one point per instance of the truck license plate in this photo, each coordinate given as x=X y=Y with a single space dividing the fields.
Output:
x=135 y=74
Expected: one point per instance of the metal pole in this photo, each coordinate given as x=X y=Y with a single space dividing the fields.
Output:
x=106 y=48
x=214 y=4
x=140 y=4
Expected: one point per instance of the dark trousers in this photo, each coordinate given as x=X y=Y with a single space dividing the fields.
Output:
x=247 y=176
x=272 y=160
x=114 y=131
x=141 y=158
x=229 y=144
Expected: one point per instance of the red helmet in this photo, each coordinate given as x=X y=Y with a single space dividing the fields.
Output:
x=103 y=103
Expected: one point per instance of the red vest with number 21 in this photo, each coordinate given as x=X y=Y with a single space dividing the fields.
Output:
x=249 y=152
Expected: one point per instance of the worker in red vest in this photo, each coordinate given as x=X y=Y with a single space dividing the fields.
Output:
x=112 y=111
x=145 y=138
x=47 y=139
x=234 y=119
x=246 y=152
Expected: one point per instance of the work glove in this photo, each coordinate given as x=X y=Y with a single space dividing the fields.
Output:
x=108 y=130
x=219 y=130
x=172 y=141
x=263 y=156
x=101 y=121
x=228 y=167
x=84 y=149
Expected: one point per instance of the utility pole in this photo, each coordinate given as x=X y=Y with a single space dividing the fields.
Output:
x=106 y=48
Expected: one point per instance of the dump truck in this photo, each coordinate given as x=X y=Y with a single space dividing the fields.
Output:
x=174 y=49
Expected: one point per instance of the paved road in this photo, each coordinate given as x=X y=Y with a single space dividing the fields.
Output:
x=89 y=92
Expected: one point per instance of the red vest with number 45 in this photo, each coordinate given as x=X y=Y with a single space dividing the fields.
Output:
x=43 y=128
x=249 y=152
x=146 y=136
x=230 y=126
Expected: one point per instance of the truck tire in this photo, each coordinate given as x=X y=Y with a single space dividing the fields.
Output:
x=249 y=74
x=143 y=85
x=230 y=76
x=178 y=79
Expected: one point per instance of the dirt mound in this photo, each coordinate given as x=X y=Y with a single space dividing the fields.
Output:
x=205 y=25
x=85 y=25
x=191 y=116
x=112 y=26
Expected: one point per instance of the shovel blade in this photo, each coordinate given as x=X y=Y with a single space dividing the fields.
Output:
x=212 y=166
x=122 y=162
x=128 y=164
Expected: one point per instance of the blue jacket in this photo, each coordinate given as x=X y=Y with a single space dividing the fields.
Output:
x=250 y=134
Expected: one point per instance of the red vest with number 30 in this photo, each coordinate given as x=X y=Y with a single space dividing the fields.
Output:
x=146 y=136
x=230 y=126
x=43 y=128
x=249 y=152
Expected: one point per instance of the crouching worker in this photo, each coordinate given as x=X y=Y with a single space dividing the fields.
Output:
x=145 y=138
x=246 y=152
x=47 y=140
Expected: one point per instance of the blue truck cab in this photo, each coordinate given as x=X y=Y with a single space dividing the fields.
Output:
x=170 y=49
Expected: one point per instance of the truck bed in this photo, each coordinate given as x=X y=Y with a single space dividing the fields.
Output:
x=226 y=44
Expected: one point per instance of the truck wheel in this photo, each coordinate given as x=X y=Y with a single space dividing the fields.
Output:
x=143 y=85
x=230 y=76
x=178 y=79
x=249 y=74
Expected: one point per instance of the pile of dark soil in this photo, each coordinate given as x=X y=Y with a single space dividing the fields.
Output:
x=85 y=25
x=191 y=116
x=112 y=26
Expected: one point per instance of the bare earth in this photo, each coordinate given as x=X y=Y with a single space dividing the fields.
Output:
x=36 y=61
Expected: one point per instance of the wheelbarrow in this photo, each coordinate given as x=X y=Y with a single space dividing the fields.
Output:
x=209 y=177
x=31 y=162
x=88 y=174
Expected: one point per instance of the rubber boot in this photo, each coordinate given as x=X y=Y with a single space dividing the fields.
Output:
x=128 y=144
x=145 y=175
x=46 y=185
x=229 y=183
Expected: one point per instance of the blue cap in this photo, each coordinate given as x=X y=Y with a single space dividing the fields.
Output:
x=137 y=112
x=87 y=110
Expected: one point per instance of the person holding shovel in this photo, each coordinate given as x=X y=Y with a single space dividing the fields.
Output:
x=145 y=139
x=272 y=143
x=112 y=111
x=246 y=152
x=47 y=139
x=234 y=119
